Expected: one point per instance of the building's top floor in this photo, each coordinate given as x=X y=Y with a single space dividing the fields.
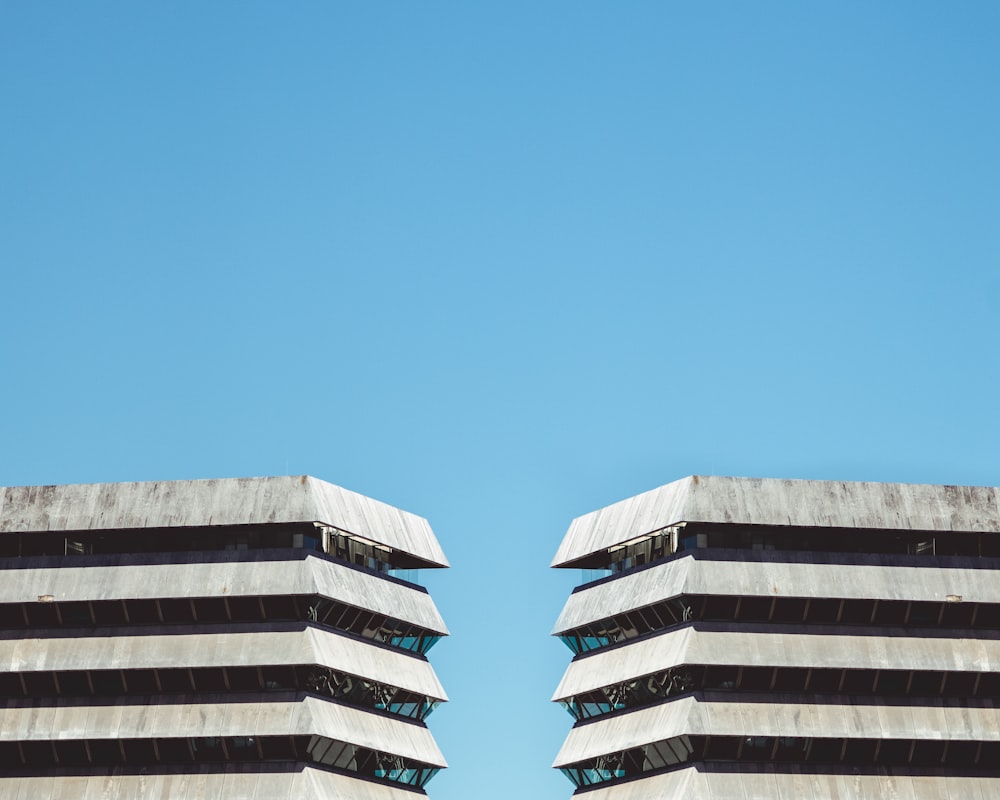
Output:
x=223 y=504
x=657 y=518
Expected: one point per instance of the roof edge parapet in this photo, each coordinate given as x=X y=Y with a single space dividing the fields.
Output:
x=213 y=502
x=782 y=502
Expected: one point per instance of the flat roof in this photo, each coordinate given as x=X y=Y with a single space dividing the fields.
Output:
x=230 y=501
x=770 y=501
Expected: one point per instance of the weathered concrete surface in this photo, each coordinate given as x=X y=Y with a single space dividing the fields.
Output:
x=205 y=783
x=977 y=721
x=311 y=575
x=691 y=783
x=262 y=648
x=692 y=646
x=693 y=575
x=766 y=501
x=308 y=716
x=139 y=507
x=825 y=508
x=235 y=501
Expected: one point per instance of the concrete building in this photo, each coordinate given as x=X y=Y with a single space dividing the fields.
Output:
x=785 y=639
x=214 y=639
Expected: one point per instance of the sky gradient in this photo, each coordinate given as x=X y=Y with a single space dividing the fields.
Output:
x=499 y=265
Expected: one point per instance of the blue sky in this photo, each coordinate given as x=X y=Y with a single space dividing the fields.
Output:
x=499 y=265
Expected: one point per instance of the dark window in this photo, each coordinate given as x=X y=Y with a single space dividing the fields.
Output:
x=242 y=748
x=722 y=748
x=71 y=753
x=348 y=619
x=989 y=754
x=721 y=677
x=9 y=754
x=789 y=609
x=957 y=544
x=791 y=749
x=677 y=610
x=42 y=615
x=176 y=611
x=278 y=748
x=278 y=677
x=75 y=614
x=141 y=681
x=40 y=684
x=823 y=611
x=281 y=608
x=894 y=751
x=73 y=684
x=957 y=615
x=928 y=753
x=988 y=617
x=890 y=613
x=758 y=748
x=755 y=609
x=210 y=609
x=174 y=751
x=107 y=682
x=175 y=681
x=646 y=620
x=756 y=679
x=824 y=681
x=244 y=609
x=859 y=681
x=989 y=685
x=10 y=686
x=720 y=608
x=961 y=754
x=207 y=748
x=924 y=614
x=11 y=615
x=209 y=679
x=857 y=612
x=989 y=545
x=860 y=751
x=960 y=684
x=143 y=612
x=791 y=679
x=892 y=682
x=37 y=754
x=244 y=679
x=109 y=613
x=105 y=751
x=925 y=683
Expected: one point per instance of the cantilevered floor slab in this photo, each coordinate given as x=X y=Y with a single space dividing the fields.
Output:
x=308 y=645
x=732 y=717
x=691 y=574
x=236 y=501
x=693 y=783
x=762 y=501
x=689 y=645
x=303 y=783
x=306 y=716
x=308 y=575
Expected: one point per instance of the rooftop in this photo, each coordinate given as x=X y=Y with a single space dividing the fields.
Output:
x=217 y=502
x=775 y=502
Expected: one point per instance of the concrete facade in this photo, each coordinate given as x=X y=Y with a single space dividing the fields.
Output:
x=248 y=638
x=758 y=638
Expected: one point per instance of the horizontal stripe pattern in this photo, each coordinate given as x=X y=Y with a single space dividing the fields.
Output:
x=693 y=574
x=308 y=575
x=306 y=646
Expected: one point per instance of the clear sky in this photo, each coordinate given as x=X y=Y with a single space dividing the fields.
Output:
x=499 y=264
